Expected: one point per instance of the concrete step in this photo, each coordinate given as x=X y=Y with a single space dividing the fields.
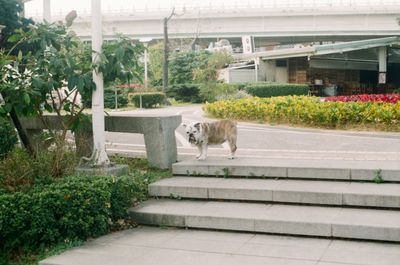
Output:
x=338 y=193
x=335 y=222
x=291 y=168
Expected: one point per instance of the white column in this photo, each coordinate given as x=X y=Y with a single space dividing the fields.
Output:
x=382 y=58
x=256 y=68
x=46 y=10
x=98 y=95
x=145 y=66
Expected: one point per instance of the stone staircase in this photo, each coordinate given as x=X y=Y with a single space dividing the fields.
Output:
x=296 y=197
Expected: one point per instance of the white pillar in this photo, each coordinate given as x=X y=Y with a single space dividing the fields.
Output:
x=46 y=10
x=256 y=68
x=145 y=66
x=99 y=136
x=382 y=58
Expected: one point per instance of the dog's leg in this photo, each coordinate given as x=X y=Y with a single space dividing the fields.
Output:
x=203 y=155
x=200 y=151
x=233 y=147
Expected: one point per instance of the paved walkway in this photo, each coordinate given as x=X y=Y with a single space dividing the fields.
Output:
x=153 y=245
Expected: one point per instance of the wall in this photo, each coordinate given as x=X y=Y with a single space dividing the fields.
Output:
x=298 y=70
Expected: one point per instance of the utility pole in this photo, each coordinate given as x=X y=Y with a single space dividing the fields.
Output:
x=165 y=64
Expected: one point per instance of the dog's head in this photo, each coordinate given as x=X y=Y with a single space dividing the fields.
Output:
x=193 y=130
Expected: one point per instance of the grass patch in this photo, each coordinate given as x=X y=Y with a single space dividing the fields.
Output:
x=33 y=257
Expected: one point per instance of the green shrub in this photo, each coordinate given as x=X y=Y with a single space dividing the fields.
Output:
x=19 y=170
x=8 y=137
x=73 y=208
x=149 y=100
x=212 y=91
x=185 y=93
x=265 y=90
x=109 y=98
x=305 y=110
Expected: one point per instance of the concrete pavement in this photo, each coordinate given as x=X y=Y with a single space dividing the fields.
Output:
x=154 y=245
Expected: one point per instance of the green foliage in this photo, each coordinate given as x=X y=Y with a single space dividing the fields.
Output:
x=156 y=60
x=182 y=64
x=109 y=98
x=378 y=179
x=311 y=111
x=185 y=92
x=19 y=171
x=10 y=18
x=49 y=77
x=267 y=89
x=120 y=59
x=212 y=91
x=149 y=99
x=8 y=137
x=72 y=208
x=208 y=73
x=209 y=91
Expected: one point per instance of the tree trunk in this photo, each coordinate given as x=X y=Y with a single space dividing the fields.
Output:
x=21 y=132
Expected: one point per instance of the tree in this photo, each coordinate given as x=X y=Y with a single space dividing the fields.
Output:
x=51 y=77
x=183 y=63
x=156 y=64
x=9 y=17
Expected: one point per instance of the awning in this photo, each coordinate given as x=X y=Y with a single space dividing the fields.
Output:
x=323 y=49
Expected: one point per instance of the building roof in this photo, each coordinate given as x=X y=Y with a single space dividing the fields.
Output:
x=324 y=49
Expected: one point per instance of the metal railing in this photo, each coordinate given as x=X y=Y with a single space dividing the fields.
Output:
x=272 y=6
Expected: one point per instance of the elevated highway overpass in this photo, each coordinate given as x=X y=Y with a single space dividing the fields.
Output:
x=275 y=22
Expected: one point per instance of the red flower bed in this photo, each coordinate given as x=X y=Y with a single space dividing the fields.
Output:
x=386 y=98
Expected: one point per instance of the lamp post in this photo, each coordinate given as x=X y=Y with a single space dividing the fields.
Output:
x=100 y=158
x=145 y=42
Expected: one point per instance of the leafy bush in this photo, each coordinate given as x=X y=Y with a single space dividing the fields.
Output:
x=387 y=98
x=73 y=208
x=239 y=94
x=185 y=93
x=182 y=64
x=109 y=98
x=8 y=137
x=19 y=170
x=265 y=90
x=211 y=91
x=149 y=100
x=312 y=111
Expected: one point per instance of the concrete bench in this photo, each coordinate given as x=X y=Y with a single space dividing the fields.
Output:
x=158 y=131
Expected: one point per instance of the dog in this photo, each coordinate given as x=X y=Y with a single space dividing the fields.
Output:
x=203 y=134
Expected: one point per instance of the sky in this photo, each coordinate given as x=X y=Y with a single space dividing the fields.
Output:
x=35 y=7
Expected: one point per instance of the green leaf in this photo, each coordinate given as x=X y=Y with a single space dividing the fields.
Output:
x=27 y=98
x=7 y=107
x=48 y=108
x=14 y=38
x=67 y=106
x=20 y=55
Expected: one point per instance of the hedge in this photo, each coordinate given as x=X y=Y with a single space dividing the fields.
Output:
x=305 y=110
x=185 y=93
x=73 y=208
x=268 y=89
x=109 y=98
x=149 y=100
